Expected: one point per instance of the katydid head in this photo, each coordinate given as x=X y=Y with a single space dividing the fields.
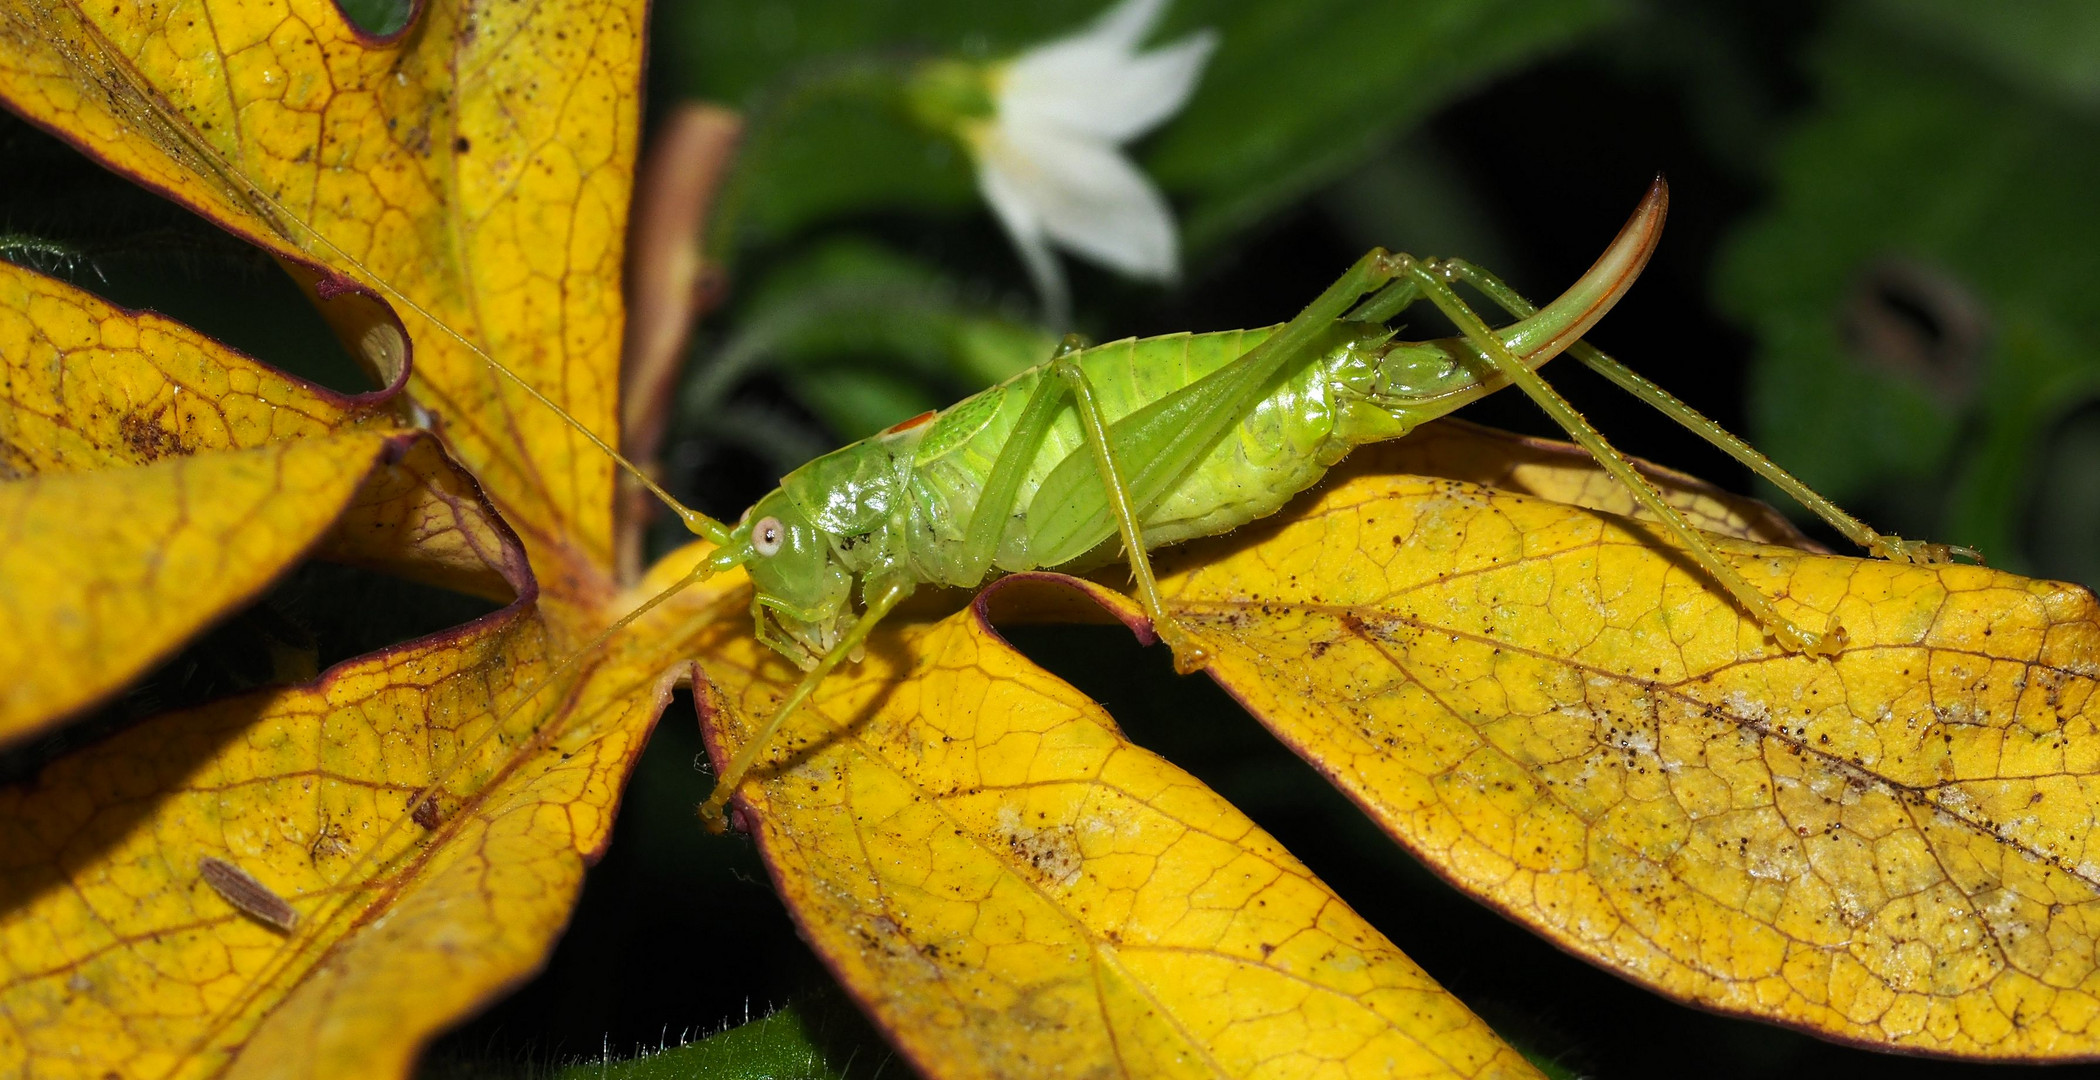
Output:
x=804 y=594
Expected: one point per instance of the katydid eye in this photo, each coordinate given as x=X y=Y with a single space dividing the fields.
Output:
x=767 y=535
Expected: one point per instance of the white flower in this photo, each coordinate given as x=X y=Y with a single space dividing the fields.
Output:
x=1049 y=158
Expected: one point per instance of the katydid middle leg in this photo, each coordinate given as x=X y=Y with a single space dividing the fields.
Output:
x=1093 y=426
x=995 y=506
x=1137 y=459
x=1161 y=442
x=1002 y=486
x=1625 y=378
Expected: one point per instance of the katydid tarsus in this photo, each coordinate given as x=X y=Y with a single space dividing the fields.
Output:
x=1140 y=443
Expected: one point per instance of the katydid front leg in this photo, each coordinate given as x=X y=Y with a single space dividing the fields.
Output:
x=988 y=522
x=1625 y=378
x=882 y=599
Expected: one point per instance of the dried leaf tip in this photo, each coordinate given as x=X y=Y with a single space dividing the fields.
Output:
x=239 y=888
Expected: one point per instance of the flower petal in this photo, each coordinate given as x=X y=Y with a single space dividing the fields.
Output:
x=1084 y=195
x=1116 y=96
x=1116 y=31
x=1011 y=203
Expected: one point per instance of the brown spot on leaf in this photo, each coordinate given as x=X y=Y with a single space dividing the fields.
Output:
x=148 y=438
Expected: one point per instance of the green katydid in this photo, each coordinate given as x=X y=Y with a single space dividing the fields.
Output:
x=1143 y=442
x=1132 y=444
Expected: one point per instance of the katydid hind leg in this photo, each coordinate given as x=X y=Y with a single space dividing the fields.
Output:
x=1760 y=607
x=1625 y=378
x=1166 y=438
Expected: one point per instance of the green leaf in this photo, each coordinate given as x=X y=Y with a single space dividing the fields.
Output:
x=821 y=83
x=378 y=17
x=787 y=1045
x=734 y=51
x=1299 y=93
x=865 y=337
x=1921 y=287
x=2063 y=526
x=2044 y=46
x=829 y=143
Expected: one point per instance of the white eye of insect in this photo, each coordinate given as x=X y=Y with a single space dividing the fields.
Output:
x=767 y=535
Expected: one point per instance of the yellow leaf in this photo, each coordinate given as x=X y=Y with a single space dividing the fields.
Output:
x=420 y=519
x=1572 y=724
x=108 y=571
x=1563 y=472
x=492 y=202
x=157 y=480
x=1011 y=887
x=118 y=959
x=93 y=386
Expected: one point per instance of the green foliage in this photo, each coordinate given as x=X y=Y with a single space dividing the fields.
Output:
x=1300 y=93
x=735 y=52
x=1921 y=285
x=378 y=17
x=1296 y=95
x=865 y=337
x=827 y=143
x=2045 y=47
x=787 y=1045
